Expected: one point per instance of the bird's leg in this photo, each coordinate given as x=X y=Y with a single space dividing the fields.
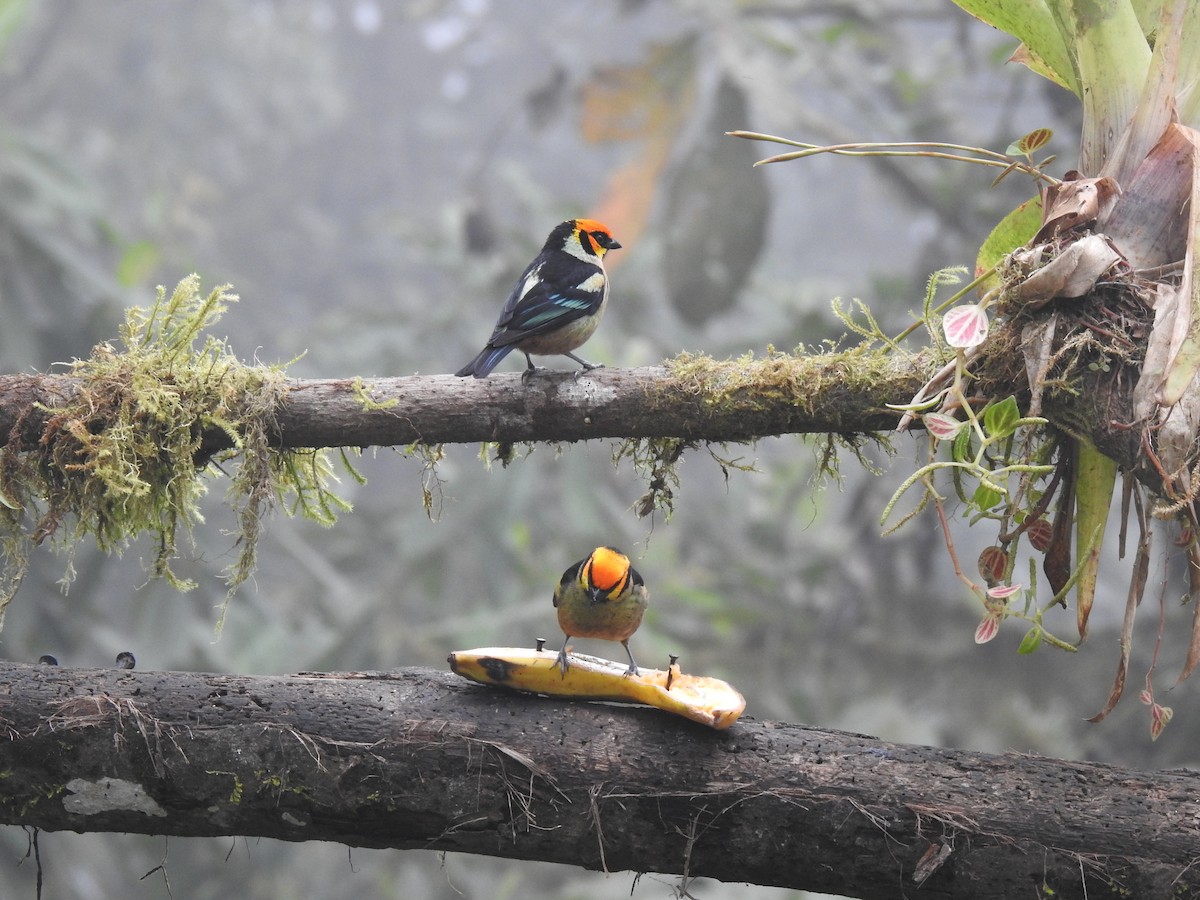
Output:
x=563 y=663
x=583 y=362
x=530 y=370
x=633 y=669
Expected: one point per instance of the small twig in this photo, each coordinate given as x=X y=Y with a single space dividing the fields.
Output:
x=929 y=149
x=594 y=811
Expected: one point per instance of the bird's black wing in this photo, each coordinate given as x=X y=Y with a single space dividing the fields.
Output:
x=550 y=295
x=568 y=577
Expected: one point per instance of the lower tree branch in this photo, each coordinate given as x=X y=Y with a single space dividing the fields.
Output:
x=420 y=759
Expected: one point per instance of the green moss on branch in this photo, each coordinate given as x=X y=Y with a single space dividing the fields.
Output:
x=125 y=455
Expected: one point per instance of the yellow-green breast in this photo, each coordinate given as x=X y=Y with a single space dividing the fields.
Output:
x=612 y=620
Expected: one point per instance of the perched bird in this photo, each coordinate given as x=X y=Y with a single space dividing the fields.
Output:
x=601 y=596
x=556 y=303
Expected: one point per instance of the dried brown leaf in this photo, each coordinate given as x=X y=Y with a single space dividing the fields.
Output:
x=1176 y=439
x=1137 y=587
x=1193 y=655
x=1158 y=350
x=1145 y=223
x=1073 y=273
x=1073 y=204
x=1185 y=335
x=1037 y=345
x=1057 y=564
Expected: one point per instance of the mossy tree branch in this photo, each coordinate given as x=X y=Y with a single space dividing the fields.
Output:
x=698 y=400
x=421 y=759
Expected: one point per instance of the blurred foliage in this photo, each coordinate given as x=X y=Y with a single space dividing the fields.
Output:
x=55 y=273
x=373 y=178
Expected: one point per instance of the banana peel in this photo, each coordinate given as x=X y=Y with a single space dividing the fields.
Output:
x=709 y=701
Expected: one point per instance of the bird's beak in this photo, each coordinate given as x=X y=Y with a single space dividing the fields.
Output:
x=595 y=594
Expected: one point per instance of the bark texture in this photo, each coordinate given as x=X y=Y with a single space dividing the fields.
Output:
x=421 y=759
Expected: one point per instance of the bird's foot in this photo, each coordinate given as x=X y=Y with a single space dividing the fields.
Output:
x=633 y=669
x=587 y=366
x=563 y=663
x=531 y=372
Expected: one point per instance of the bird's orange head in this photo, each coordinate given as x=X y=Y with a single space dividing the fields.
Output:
x=595 y=237
x=605 y=573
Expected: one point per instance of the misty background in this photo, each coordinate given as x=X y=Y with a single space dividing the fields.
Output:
x=371 y=178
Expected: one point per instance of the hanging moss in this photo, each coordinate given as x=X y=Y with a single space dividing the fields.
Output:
x=657 y=460
x=130 y=452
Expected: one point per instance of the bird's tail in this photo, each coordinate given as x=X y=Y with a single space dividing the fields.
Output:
x=488 y=359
